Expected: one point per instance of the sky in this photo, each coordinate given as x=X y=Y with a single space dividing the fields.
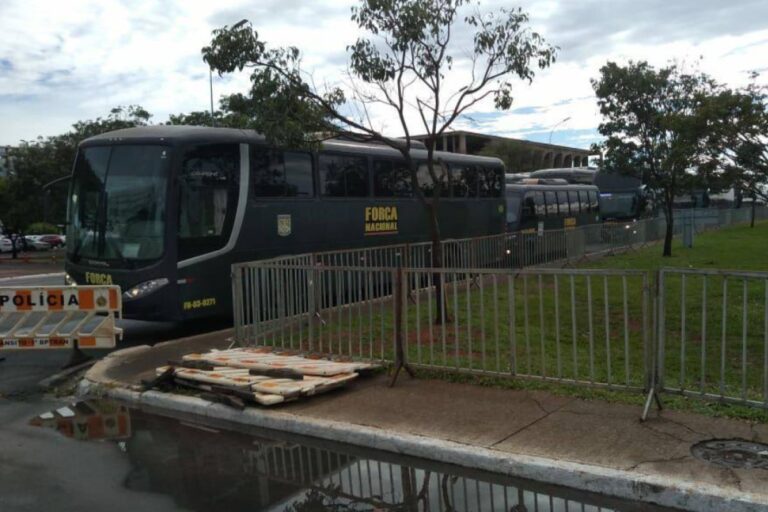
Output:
x=61 y=62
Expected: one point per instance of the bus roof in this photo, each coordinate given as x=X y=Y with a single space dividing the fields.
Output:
x=605 y=181
x=177 y=135
x=525 y=187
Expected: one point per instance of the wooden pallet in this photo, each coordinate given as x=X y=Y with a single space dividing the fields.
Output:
x=258 y=375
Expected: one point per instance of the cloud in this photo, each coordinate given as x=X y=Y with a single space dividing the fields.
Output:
x=66 y=61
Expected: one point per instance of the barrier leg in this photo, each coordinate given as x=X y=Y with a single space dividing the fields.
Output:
x=400 y=361
x=653 y=395
x=76 y=357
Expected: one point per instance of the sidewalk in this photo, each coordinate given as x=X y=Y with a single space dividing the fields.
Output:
x=590 y=445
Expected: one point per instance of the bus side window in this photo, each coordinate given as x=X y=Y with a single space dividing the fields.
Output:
x=298 y=174
x=208 y=189
x=391 y=179
x=529 y=207
x=513 y=209
x=343 y=176
x=491 y=179
x=584 y=201
x=427 y=184
x=594 y=201
x=463 y=184
x=562 y=199
x=573 y=198
x=551 y=199
x=279 y=174
x=541 y=210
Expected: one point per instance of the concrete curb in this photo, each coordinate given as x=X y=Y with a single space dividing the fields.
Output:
x=59 y=377
x=622 y=484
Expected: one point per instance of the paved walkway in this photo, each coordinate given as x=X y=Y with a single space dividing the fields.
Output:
x=589 y=441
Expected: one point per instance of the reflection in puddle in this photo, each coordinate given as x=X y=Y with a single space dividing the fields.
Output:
x=205 y=468
x=88 y=420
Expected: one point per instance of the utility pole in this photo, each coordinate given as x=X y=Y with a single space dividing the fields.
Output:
x=210 y=78
x=558 y=124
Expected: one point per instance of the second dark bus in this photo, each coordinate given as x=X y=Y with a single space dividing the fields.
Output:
x=544 y=207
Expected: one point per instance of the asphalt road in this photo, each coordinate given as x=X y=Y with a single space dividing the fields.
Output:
x=46 y=279
x=39 y=468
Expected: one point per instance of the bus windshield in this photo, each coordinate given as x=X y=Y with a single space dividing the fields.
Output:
x=116 y=208
x=619 y=205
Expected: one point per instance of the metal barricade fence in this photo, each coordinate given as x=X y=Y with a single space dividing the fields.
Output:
x=495 y=316
x=713 y=335
x=577 y=326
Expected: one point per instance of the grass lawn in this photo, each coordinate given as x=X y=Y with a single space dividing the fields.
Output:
x=587 y=328
x=736 y=248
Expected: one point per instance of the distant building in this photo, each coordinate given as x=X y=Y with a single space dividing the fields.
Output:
x=6 y=164
x=531 y=155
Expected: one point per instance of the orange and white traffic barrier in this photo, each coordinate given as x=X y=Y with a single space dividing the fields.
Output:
x=53 y=317
x=265 y=359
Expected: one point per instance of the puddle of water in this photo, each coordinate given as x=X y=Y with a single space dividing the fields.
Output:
x=206 y=468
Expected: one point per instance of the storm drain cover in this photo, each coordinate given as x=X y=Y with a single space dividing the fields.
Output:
x=732 y=453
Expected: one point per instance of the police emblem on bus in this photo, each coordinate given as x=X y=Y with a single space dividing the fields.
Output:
x=283 y=225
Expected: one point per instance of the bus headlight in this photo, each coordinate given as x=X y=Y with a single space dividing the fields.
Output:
x=140 y=290
x=68 y=280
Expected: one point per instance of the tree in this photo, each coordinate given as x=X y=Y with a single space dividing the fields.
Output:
x=23 y=199
x=402 y=66
x=742 y=161
x=515 y=155
x=234 y=112
x=657 y=124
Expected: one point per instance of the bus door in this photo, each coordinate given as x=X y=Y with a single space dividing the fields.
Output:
x=211 y=206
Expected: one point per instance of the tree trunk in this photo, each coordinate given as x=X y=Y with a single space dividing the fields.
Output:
x=437 y=262
x=670 y=231
x=752 y=218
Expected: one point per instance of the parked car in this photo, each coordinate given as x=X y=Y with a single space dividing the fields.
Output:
x=35 y=243
x=6 y=245
x=54 y=241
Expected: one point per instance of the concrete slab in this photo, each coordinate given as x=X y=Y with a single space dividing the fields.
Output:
x=433 y=408
x=591 y=445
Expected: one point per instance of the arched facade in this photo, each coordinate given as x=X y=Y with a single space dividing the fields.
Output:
x=530 y=155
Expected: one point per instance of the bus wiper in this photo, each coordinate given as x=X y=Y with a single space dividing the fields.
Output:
x=123 y=260
x=76 y=251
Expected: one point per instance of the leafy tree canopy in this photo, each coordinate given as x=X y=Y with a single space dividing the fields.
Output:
x=38 y=162
x=743 y=125
x=660 y=125
x=517 y=157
